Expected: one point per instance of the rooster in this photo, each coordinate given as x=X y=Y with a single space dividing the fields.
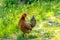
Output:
x=26 y=27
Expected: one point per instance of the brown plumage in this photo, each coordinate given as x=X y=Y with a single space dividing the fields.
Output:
x=26 y=27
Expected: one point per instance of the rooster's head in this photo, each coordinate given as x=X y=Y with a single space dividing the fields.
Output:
x=24 y=16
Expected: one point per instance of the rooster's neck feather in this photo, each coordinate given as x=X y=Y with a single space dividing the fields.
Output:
x=23 y=18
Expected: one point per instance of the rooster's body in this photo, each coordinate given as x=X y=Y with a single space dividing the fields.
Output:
x=26 y=27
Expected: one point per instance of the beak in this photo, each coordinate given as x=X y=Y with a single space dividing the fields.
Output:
x=28 y=16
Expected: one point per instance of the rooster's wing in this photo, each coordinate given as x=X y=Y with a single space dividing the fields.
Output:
x=28 y=26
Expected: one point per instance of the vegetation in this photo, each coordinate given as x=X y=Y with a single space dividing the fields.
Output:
x=47 y=14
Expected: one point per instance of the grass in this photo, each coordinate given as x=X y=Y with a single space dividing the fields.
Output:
x=44 y=11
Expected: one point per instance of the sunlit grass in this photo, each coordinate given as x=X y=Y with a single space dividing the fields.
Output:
x=43 y=11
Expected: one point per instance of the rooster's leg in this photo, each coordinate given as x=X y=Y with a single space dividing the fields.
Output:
x=25 y=36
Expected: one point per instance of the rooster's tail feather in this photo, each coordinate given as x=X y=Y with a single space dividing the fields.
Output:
x=33 y=21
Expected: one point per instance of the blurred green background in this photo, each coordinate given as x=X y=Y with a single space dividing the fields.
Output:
x=46 y=12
